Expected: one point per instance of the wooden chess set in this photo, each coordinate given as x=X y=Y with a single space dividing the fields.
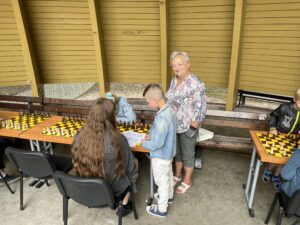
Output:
x=69 y=126
x=135 y=127
x=24 y=120
x=281 y=145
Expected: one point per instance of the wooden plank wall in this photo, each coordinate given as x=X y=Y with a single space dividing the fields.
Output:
x=62 y=35
x=270 y=60
x=12 y=65
x=131 y=40
x=204 y=29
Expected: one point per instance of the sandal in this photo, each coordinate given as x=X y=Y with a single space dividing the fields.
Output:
x=267 y=176
x=182 y=188
x=176 y=180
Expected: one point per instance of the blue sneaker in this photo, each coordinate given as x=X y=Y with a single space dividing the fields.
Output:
x=267 y=176
x=276 y=182
x=156 y=196
x=154 y=211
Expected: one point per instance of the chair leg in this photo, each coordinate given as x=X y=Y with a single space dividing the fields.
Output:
x=271 y=209
x=6 y=184
x=65 y=210
x=21 y=192
x=120 y=209
x=46 y=181
x=133 y=206
x=280 y=215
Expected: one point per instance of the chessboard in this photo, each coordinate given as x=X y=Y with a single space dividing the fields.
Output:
x=281 y=145
x=24 y=121
x=135 y=127
x=69 y=126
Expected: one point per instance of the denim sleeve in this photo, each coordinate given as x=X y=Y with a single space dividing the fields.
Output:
x=158 y=135
x=289 y=170
x=200 y=104
x=128 y=114
x=274 y=117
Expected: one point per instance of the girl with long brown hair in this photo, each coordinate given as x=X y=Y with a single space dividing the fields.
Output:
x=99 y=150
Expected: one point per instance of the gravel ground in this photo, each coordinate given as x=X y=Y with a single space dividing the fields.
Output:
x=90 y=91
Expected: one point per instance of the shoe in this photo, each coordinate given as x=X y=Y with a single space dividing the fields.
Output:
x=126 y=209
x=198 y=163
x=266 y=176
x=154 y=211
x=156 y=196
x=9 y=179
x=276 y=182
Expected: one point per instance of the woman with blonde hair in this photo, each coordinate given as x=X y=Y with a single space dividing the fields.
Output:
x=100 y=151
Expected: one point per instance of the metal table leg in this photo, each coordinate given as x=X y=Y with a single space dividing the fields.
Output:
x=252 y=181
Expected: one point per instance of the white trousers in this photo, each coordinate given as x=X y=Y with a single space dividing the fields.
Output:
x=163 y=178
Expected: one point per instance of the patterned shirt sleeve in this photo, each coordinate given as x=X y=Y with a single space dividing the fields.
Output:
x=199 y=103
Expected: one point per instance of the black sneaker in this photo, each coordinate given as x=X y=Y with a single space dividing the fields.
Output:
x=9 y=179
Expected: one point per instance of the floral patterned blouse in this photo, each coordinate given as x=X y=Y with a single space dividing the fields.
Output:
x=188 y=100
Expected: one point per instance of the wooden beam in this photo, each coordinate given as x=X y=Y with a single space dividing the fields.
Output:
x=97 y=36
x=164 y=43
x=235 y=55
x=27 y=47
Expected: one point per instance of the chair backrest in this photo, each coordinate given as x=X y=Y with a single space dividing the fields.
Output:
x=34 y=164
x=91 y=192
x=293 y=207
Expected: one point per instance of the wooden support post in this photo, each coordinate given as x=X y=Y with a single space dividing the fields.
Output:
x=164 y=43
x=27 y=47
x=97 y=35
x=235 y=55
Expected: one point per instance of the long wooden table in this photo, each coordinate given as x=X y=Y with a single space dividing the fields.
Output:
x=259 y=156
x=35 y=133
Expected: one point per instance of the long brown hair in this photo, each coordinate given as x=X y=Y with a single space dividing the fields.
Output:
x=88 y=148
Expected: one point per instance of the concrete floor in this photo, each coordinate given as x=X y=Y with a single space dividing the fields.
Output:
x=216 y=198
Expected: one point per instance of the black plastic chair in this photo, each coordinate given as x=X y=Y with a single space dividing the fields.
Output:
x=6 y=184
x=287 y=207
x=91 y=192
x=36 y=164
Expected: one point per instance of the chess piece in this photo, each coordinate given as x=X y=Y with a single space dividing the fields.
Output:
x=281 y=147
x=284 y=152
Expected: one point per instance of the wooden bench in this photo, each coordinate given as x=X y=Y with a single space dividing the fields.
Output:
x=216 y=117
x=258 y=95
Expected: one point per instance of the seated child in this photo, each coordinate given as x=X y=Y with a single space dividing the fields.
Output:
x=99 y=150
x=162 y=145
x=284 y=119
x=291 y=174
x=124 y=111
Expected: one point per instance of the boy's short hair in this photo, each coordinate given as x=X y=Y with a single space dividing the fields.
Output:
x=154 y=92
x=297 y=95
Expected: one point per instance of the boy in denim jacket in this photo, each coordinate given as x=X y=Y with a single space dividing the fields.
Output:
x=162 y=145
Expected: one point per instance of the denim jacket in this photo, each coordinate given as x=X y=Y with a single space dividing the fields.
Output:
x=124 y=111
x=162 y=142
x=291 y=174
